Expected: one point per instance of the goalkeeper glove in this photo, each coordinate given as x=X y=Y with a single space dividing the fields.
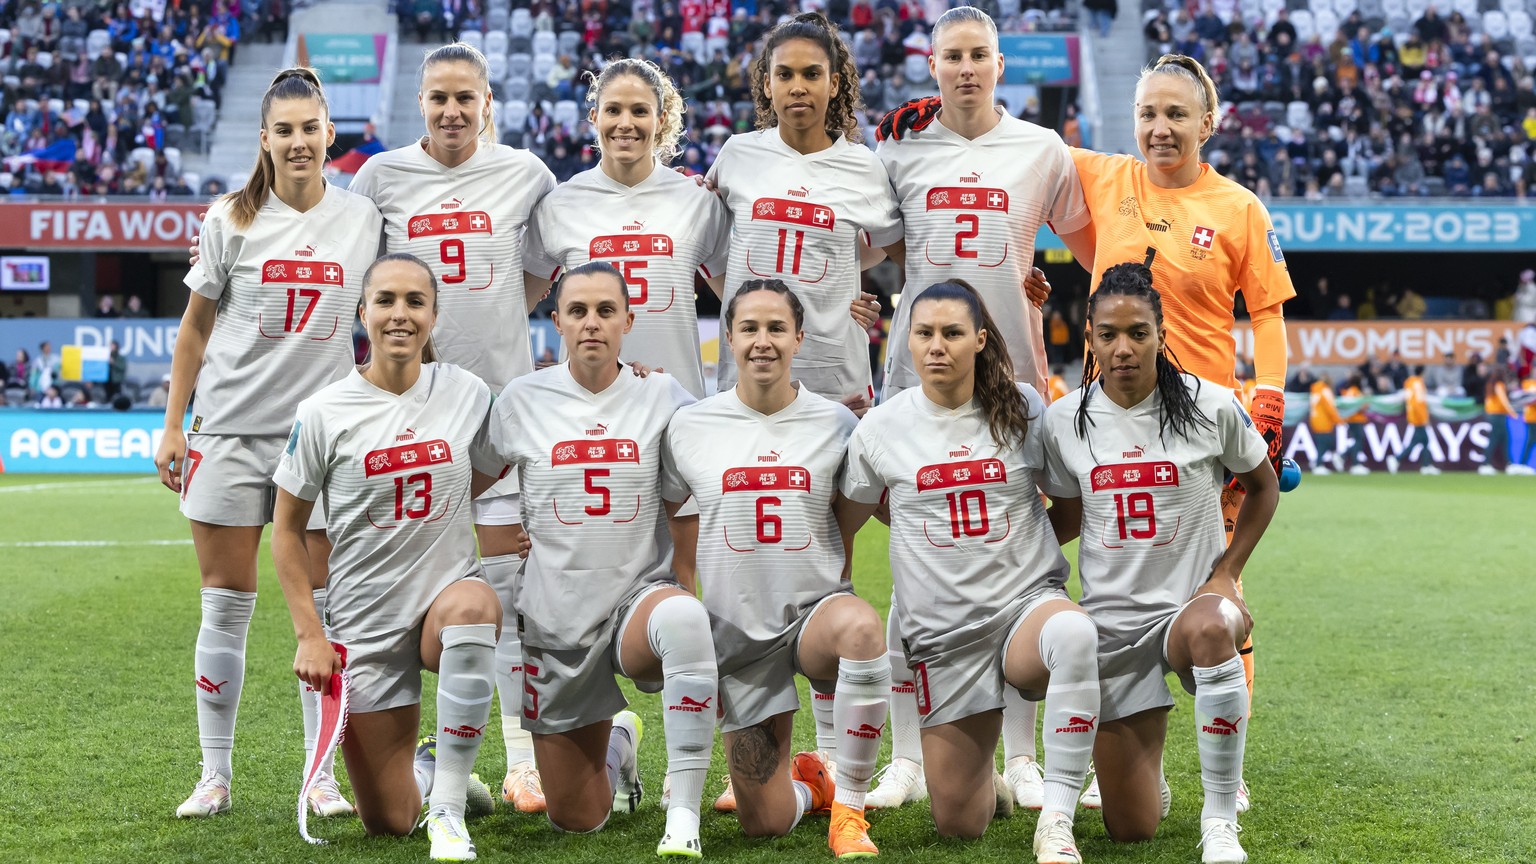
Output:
x=912 y=115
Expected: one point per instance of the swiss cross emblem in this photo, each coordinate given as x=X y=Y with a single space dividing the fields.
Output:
x=437 y=451
x=1203 y=237
x=1164 y=473
x=332 y=274
x=626 y=450
x=797 y=478
x=991 y=471
x=477 y=222
x=822 y=215
x=995 y=199
x=660 y=244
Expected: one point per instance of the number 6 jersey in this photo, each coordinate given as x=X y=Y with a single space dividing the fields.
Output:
x=970 y=540
x=1152 y=524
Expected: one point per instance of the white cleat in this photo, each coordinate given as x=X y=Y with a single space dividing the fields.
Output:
x=1429 y=469
x=450 y=839
x=1338 y=462
x=1320 y=471
x=1487 y=470
x=1359 y=470
x=1027 y=781
x=900 y=782
x=1243 y=801
x=1090 y=798
x=1520 y=470
x=1054 y=843
x=1166 y=795
x=1218 y=839
x=1392 y=463
x=674 y=846
x=628 y=791
x=325 y=798
x=209 y=797
x=1004 y=806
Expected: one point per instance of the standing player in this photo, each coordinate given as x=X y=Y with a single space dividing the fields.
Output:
x=1416 y=412
x=598 y=597
x=809 y=203
x=1324 y=421
x=975 y=185
x=1138 y=454
x=460 y=201
x=277 y=278
x=763 y=459
x=396 y=448
x=657 y=226
x=982 y=602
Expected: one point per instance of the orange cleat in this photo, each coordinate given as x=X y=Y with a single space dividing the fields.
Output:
x=849 y=834
x=726 y=803
x=811 y=769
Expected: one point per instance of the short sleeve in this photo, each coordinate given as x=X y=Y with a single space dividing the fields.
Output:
x=215 y=256
x=366 y=181
x=538 y=259
x=1069 y=207
x=502 y=421
x=1242 y=447
x=678 y=393
x=304 y=465
x=883 y=223
x=860 y=481
x=482 y=456
x=1263 y=277
x=674 y=486
x=717 y=238
x=1057 y=480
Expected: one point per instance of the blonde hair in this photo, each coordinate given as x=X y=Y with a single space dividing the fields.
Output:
x=1188 y=68
x=299 y=82
x=460 y=52
x=669 y=103
x=960 y=15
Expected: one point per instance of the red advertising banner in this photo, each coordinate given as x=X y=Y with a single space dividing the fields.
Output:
x=130 y=227
x=1350 y=343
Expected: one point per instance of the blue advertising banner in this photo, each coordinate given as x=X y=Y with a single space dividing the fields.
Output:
x=1045 y=59
x=1416 y=227
x=79 y=440
x=143 y=340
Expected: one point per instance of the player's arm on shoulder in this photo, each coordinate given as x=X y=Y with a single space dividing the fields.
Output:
x=535 y=289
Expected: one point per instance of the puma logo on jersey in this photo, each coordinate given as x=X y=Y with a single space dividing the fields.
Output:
x=973 y=177
x=636 y=225
x=452 y=204
x=773 y=456
x=306 y=252
x=1136 y=452
x=964 y=451
x=407 y=435
x=802 y=192
x=598 y=430
x=1161 y=226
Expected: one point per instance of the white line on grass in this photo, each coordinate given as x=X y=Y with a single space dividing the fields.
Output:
x=52 y=544
x=86 y=484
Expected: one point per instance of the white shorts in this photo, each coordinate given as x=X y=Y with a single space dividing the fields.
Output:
x=968 y=679
x=573 y=688
x=765 y=687
x=1133 y=676
x=385 y=670
x=227 y=480
x=501 y=504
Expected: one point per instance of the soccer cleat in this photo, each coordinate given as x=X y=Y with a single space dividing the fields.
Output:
x=628 y=791
x=478 y=799
x=1166 y=794
x=900 y=782
x=325 y=798
x=666 y=791
x=1487 y=470
x=1338 y=462
x=1027 y=781
x=1000 y=788
x=209 y=797
x=1090 y=797
x=1392 y=463
x=450 y=839
x=426 y=754
x=809 y=768
x=1429 y=469
x=831 y=763
x=680 y=847
x=1054 y=843
x=1320 y=471
x=1520 y=470
x=524 y=789
x=848 y=836
x=1359 y=470
x=1243 y=801
x=726 y=803
x=1218 y=839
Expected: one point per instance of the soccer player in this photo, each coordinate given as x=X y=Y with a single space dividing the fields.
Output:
x=657 y=226
x=1416 y=411
x=1497 y=410
x=266 y=325
x=1136 y=464
x=977 y=568
x=1324 y=421
x=398 y=449
x=602 y=594
x=809 y=203
x=460 y=201
x=763 y=459
x=975 y=185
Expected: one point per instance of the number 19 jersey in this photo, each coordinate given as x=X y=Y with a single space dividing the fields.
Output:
x=769 y=547
x=468 y=224
x=970 y=540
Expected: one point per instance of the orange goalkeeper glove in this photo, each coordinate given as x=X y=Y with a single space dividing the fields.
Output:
x=914 y=114
x=1269 y=418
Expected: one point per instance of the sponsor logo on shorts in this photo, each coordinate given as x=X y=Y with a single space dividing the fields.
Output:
x=197 y=422
x=924 y=703
x=692 y=705
x=867 y=731
x=1220 y=726
x=465 y=731
x=204 y=683
x=1078 y=724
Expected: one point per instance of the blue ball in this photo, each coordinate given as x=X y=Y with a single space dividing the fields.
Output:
x=1290 y=475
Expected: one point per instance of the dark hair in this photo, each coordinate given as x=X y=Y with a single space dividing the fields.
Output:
x=593 y=268
x=845 y=107
x=995 y=391
x=428 y=351
x=299 y=82
x=775 y=286
x=1179 y=411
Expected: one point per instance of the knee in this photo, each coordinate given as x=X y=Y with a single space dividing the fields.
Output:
x=389 y=823
x=1214 y=635
x=577 y=819
x=955 y=822
x=1069 y=637
x=680 y=630
x=468 y=607
x=1130 y=828
x=863 y=636
x=757 y=824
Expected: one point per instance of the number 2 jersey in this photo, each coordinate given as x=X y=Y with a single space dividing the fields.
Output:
x=970 y=540
x=468 y=224
x=658 y=232
x=769 y=547
x=972 y=209
x=287 y=286
x=1152 y=524
x=395 y=470
x=590 y=465
x=804 y=219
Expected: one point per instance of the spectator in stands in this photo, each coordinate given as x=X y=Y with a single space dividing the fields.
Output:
x=44 y=369
x=19 y=372
x=1342 y=310
x=106 y=307
x=1525 y=298
x=135 y=308
x=1446 y=379
x=50 y=398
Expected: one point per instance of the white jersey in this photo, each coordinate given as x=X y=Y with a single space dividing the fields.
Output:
x=804 y=219
x=287 y=288
x=468 y=224
x=1152 y=521
x=590 y=465
x=972 y=209
x=395 y=470
x=658 y=232
x=970 y=540
x=769 y=547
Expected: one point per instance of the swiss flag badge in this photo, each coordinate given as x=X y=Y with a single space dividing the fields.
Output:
x=1203 y=237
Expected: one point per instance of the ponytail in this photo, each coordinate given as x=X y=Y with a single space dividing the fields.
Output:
x=995 y=390
x=299 y=82
x=847 y=103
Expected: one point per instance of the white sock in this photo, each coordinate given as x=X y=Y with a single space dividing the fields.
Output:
x=679 y=635
x=1069 y=647
x=218 y=667
x=464 y=688
x=1018 y=726
x=906 y=741
x=309 y=705
x=803 y=799
x=1221 y=730
x=823 y=711
x=863 y=694
x=503 y=570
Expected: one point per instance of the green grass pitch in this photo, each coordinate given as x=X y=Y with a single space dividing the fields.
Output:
x=1394 y=711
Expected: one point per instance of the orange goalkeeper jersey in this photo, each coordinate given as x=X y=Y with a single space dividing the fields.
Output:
x=1417 y=401
x=1325 y=412
x=1213 y=239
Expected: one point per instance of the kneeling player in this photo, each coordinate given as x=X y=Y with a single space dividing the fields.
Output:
x=977 y=568
x=598 y=597
x=1138 y=453
x=762 y=459
x=399 y=448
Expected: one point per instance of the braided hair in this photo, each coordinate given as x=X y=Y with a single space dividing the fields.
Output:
x=1179 y=410
x=846 y=104
x=995 y=390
